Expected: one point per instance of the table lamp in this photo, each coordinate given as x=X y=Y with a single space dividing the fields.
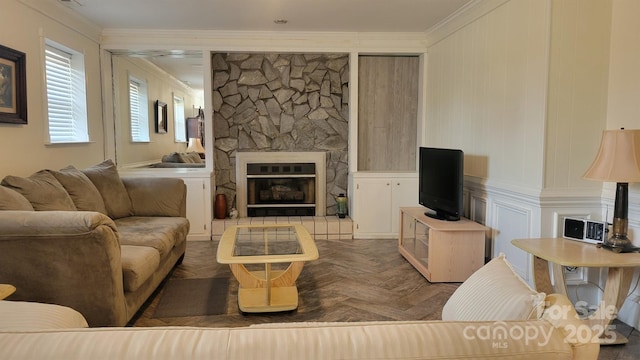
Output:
x=195 y=145
x=618 y=161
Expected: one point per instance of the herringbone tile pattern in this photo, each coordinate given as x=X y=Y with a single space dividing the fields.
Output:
x=353 y=280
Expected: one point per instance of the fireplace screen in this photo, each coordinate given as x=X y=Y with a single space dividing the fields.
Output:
x=281 y=189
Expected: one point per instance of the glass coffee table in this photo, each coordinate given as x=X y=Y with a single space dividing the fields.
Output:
x=266 y=259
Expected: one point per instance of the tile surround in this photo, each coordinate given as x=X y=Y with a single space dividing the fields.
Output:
x=320 y=227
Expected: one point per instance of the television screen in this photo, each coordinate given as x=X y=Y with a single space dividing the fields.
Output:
x=441 y=179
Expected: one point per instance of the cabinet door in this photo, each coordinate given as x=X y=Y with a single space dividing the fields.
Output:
x=405 y=193
x=408 y=233
x=197 y=213
x=372 y=207
x=422 y=244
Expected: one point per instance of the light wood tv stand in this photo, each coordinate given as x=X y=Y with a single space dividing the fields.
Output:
x=442 y=251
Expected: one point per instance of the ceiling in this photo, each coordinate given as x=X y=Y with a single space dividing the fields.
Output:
x=259 y=15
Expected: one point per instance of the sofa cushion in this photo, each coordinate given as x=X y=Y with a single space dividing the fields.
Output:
x=42 y=190
x=183 y=158
x=494 y=292
x=84 y=194
x=13 y=200
x=146 y=200
x=107 y=180
x=174 y=157
x=177 y=165
x=138 y=264
x=159 y=233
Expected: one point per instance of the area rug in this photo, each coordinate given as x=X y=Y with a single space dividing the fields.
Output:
x=193 y=297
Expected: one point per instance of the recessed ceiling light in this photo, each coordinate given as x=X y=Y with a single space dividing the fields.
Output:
x=280 y=21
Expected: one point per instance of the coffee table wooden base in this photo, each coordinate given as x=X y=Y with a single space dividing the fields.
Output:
x=260 y=246
x=256 y=294
x=260 y=300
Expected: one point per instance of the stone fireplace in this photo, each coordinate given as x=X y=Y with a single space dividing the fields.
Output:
x=281 y=103
x=280 y=183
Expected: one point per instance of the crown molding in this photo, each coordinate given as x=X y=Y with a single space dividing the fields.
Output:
x=117 y=39
x=65 y=17
x=459 y=19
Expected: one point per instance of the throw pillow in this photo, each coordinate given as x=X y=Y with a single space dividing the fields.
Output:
x=42 y=190
x=12 y=200
x=494 y=292
x=84 y=194
x=106 y=179
x=185 y=158
x=193 y=157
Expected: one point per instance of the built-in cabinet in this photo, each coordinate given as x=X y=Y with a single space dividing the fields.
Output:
x=442 y=251
x=377 y=198
x=199 y=202
x=199 y=208
x=386 y=178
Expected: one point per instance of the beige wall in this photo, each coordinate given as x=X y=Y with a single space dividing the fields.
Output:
x=577 y=90
x=160 y=87
x=624 y=90
x=624 y=111
x=486 y=93
x=23 y=147
x=523 y=90
x=624 y=75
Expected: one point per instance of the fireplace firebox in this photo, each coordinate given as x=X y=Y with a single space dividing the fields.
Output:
x=281 y=184
x=281 y=189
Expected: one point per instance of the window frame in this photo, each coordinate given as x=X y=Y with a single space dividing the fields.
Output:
x=142 y=118
x=65 y=97
x=179 y=120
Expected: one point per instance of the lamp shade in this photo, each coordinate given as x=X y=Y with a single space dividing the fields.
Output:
x=195 y=145
x=618 y=159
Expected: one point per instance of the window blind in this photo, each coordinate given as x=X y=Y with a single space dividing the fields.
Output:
x=60 y=96
x=179 y=121
x=138 y=111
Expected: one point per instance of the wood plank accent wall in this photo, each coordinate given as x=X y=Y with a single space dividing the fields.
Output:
x=387 y=113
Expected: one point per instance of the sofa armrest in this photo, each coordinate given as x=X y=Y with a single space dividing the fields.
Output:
x=24 y=315
x=152 y=196
x=69 y=258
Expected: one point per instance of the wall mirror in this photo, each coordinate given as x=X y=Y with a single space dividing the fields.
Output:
x=172 y=81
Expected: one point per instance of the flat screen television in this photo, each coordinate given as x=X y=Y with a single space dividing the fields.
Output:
x=441 y=178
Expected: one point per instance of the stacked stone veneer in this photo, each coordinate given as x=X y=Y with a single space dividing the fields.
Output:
x=281 y=102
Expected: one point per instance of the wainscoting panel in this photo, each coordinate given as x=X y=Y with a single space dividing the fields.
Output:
x=477 y=209
x=512 y=222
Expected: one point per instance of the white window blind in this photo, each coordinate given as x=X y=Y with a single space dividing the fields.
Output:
x=138 y=110
x=178 y=119
x=66 y=95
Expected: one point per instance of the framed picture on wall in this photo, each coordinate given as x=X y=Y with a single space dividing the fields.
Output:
x=161 y=117
x=13 y=86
